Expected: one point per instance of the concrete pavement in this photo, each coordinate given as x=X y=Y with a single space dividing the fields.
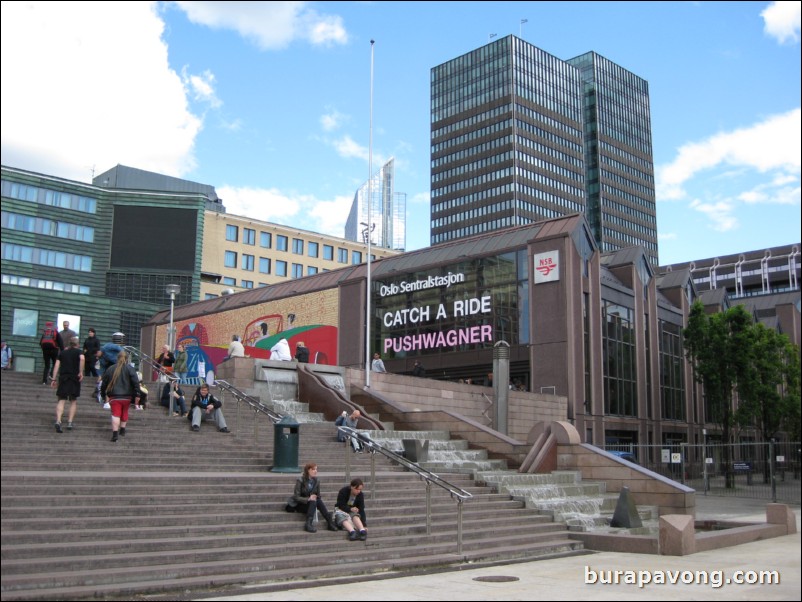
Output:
x=587 y=577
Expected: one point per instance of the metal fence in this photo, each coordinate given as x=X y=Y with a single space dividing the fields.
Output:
x=767 y=471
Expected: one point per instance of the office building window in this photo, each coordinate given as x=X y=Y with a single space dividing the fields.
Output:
x=297 y=246
x=328 y=252
x=342 y=255
x=230 y=259
x=265 y=240
x=248 y=236
x=25 y=322
x=356 y=257
x=281 y=268
x=281 y=243
x=247 y=284
x=210 y=296
x=232 y=233
x=247 y=262
x=229 y=281
x=297 y=270
x=313 y=249
x=310 y=270
x=264 y=265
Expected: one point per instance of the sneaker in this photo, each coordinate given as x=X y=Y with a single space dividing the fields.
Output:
x=352 y=536
x=58 y=428
x=69 y=426
x=195 y=428
x=176 y=414
x=363 y=535
x=114 y=437
x=122 y=431
x=225 y=430
x=138 y=407
x=107 y=406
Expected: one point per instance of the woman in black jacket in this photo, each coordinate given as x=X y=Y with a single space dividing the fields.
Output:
x=121 y=385
x=307 y=499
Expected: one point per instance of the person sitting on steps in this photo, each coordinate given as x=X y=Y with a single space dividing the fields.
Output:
x=308 y=501
x=349 y=513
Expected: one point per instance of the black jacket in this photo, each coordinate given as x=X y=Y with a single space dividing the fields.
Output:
x=304 y=488
x=302 y=354
x=359 y=503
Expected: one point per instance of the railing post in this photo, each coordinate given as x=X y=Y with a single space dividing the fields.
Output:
x=347 y=461
x=372 y=474
x=771 y=471
x=428 y=507
x=459 y=526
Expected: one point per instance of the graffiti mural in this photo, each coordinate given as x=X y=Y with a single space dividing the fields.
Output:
x=311 y=319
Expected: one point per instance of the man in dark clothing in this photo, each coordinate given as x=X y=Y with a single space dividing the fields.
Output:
x=66 y=334
x=91 y=352
x=68 y=373
x=418 y=370
x=51 y=345
x=206 y=406
x=349 y=513
x=302 y=353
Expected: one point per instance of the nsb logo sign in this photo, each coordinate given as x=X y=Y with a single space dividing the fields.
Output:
x=547 y=267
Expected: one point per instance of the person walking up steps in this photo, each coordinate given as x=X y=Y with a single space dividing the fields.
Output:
x=68 y=374
x=120 y=384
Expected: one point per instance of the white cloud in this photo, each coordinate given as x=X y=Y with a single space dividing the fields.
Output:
x=782 y=21
x=720 y=213
x=348 y=147
x=202 y=87
x=420 y=198
x=273 y=205
x=667 y=236
x=332 y=120
x=270 y=25
x=94 y=89
x=771 y=145
x=329 y=216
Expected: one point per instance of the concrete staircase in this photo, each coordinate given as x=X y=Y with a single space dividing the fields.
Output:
x=169 y=512
x=563 y=496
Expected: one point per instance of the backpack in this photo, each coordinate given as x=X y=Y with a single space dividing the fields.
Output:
x=48 y=340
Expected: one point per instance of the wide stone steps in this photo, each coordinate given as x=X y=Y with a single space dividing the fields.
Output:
x=170 y=512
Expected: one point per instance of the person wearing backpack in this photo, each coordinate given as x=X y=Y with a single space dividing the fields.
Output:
x=51 y=345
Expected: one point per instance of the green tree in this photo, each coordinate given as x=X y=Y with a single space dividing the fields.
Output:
x=720 y=346
x=769 y=392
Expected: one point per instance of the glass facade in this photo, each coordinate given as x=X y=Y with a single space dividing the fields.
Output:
x=518 y=135
x=387 y=211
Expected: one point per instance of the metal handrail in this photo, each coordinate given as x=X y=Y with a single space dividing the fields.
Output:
x=142 y=357
x=254 y=403
x=424 y=474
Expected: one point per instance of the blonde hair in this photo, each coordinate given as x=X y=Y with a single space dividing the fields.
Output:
x=122 y=361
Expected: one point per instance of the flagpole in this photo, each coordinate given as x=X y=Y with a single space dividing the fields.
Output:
x=370 y=233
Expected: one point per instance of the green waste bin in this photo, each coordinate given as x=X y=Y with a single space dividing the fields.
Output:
x=285 y=445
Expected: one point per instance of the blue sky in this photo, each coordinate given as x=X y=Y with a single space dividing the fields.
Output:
x=270 y=101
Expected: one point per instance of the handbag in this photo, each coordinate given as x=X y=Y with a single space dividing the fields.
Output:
x=292 y=504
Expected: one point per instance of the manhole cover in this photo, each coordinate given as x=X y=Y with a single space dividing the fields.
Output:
x=496 y=578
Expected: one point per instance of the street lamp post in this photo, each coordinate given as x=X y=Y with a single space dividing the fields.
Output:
x=172 y=290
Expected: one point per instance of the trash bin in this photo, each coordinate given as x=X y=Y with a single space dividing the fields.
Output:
x=285 y=445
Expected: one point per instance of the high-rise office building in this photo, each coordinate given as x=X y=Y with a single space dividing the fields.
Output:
x=387 y=211
x=518 y=135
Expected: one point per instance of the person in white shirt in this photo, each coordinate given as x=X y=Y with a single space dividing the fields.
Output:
x=378 y=364
x=235 y=348
x=281 y=351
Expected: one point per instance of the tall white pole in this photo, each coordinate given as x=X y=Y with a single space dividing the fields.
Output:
x=369 y=229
